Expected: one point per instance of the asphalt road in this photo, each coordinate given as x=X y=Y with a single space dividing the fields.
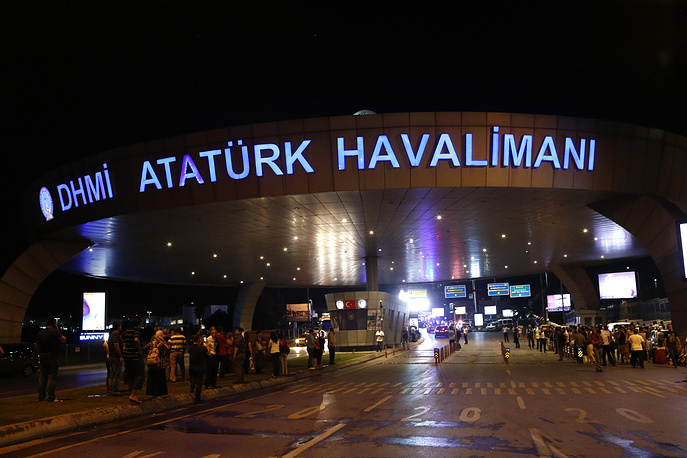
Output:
x=472 y=404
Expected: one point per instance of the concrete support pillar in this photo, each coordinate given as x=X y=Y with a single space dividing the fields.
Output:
x=25 y=275
x=371 y=273
x=578 y=283
x=653 y=221
x=245 y=305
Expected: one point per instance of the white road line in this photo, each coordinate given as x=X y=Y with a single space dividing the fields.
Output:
x=377 y=404
x=521 y=403
x=315 y=441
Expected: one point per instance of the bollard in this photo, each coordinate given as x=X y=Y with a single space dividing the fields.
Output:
x=393 y=350
x=386 y=355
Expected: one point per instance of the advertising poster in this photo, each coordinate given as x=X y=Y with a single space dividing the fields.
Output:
x=298 y=312
x=93 y=312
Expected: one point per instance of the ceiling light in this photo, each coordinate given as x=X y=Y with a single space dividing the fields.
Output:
x=225 y=276
x=286 y=249
x=169 y=243
x=214 y=255
x=411 y=240
x=268 y=264
x=295 y=237
x=372 y=232
x=193 y=273
x=438 y=216
x=585 y=230
x=503 y=236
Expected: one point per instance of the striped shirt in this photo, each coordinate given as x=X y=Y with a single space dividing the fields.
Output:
x=177 y=343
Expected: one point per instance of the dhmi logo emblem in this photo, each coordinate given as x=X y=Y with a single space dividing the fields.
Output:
x=47 y=206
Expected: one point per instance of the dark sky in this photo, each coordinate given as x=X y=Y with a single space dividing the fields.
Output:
x=78 y=78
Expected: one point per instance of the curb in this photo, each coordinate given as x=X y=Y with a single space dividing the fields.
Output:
x=21 y=432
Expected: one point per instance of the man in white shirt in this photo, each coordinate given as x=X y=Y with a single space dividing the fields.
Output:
x=380 y=339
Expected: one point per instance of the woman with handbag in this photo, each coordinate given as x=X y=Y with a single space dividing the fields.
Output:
x=157 y=382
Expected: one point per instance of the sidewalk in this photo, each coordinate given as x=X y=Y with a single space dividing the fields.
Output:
x=40 y=427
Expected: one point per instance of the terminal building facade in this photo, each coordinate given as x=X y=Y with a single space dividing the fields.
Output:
x=355 y=201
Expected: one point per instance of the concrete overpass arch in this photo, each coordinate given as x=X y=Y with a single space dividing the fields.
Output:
x=439 y=196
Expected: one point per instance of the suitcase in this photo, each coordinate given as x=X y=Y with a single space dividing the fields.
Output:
x=660 y=356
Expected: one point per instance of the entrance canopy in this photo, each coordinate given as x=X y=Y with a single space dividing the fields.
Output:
x=421 y=196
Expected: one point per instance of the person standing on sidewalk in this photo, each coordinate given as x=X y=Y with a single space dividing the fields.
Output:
x=597 y=343
x=607 y=351
x=134 y=364
x=116 y=359
x=379 y=337
x=505 y=333
x=636 y=342
x=177 y=345
x=331 y=345
x=672 y=343
x=239 y=355
x=48 y=343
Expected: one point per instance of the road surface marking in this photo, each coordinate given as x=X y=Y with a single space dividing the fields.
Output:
x=521 y=403
x=377 y=404
x=315 y=441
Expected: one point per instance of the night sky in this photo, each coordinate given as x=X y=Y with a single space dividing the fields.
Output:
x=78 y=78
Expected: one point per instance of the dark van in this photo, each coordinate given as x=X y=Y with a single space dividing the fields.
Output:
x=18 y=358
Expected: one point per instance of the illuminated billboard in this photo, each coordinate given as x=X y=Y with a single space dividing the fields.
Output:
x=558 y=302
x=490 y=310
x=298 y=312
x=93 y=318
x=618 y=285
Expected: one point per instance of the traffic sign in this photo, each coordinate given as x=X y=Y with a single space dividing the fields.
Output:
x=497 y=289
x=455 y=291
x=520 y=291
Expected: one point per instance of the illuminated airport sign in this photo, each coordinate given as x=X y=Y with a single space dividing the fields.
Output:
x=520 y=291
x=497 y=289
x=455 y=291
x=239 y=159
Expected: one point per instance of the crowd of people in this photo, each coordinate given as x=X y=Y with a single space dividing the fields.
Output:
x=626 y=344
x=212 y=354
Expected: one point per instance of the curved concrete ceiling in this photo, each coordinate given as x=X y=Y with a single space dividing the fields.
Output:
x=321 y=239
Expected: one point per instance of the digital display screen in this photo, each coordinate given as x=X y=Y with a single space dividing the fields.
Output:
x=558 y=302
x=507 y=313
x=490 y=310
x=93 y=312
x=618 y=285
x=461 y=310
x=479 y=319
x=682 y=246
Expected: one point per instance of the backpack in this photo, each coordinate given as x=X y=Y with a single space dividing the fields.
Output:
x=153 y=358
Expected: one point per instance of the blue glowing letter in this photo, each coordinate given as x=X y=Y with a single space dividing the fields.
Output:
x=509 y=149
x=468 y=154
x=570 y=149
x=342 y=153
x=187 y=162
x=444 y=141
x=148 y=170
x=296 y=156
x=383 y=141
x=211 y=162
x=246 y=163
x=415 y=158
x=259 y=160
x=547 y=144
x=63 y=190
x=168 y=172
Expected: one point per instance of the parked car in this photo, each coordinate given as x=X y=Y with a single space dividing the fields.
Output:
x=430 y=328
x=441 y=331
x=301 y=341
x=492 y=327
x=18 y=358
